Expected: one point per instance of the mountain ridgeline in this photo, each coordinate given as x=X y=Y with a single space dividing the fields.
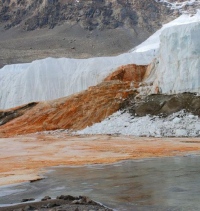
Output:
x=90 y=15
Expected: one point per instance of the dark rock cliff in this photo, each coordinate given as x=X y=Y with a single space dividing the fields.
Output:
x=94 y=14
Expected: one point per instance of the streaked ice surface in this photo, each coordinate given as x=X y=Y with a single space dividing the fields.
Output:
x=149 y=184
x=179 y=59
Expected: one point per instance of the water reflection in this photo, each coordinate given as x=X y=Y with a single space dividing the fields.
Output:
x=156 y=184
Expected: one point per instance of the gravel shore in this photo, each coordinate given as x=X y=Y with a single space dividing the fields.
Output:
x=61 y=203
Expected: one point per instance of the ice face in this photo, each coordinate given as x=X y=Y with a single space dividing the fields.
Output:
x=50 y=78
x=179 y=59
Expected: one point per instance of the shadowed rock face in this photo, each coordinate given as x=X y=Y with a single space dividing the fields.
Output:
x=163 y=105
x=101 y=14
x=74 y=112
x=8 y=115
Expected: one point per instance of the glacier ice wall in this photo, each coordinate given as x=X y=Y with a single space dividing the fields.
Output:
x=51 y=78
x=179 y=59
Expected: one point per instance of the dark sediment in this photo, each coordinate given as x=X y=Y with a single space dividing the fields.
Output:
x=163 y=105
x=63 y=202
x=10 y=114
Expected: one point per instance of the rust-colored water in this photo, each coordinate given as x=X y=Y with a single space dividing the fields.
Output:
x=22 y=158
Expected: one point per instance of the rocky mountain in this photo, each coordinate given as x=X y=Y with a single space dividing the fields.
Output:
x=90 y=15
x=38 y=29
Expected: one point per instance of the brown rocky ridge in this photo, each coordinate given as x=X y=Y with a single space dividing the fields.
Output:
x=93 y=14
x=163 y=105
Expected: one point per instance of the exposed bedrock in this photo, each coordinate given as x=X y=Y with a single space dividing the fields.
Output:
x=10 y=114
x=103 y=14
x=163 y=105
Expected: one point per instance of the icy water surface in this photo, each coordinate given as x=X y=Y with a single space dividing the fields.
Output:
x=150 y=184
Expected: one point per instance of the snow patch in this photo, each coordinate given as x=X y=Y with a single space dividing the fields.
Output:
x=180 y=6
x=179 y=124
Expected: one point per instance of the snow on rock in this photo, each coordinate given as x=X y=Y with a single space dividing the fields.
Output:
x=181 y=6
x=179 y=60
x=179 y=124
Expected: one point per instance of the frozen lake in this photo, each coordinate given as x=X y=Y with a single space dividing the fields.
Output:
x=149 y=184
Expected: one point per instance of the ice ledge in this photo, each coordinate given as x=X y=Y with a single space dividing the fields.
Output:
x=179 y=60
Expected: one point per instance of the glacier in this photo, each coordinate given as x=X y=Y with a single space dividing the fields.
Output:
x=52 y=78
x=178 y=70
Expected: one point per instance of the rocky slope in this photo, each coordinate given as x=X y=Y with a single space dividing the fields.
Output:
x=37 y=29
x=63 y=202
x=90 y=15
x=162 y=105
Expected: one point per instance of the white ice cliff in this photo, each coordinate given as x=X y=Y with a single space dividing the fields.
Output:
x=179 y=59
x=53 y=78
